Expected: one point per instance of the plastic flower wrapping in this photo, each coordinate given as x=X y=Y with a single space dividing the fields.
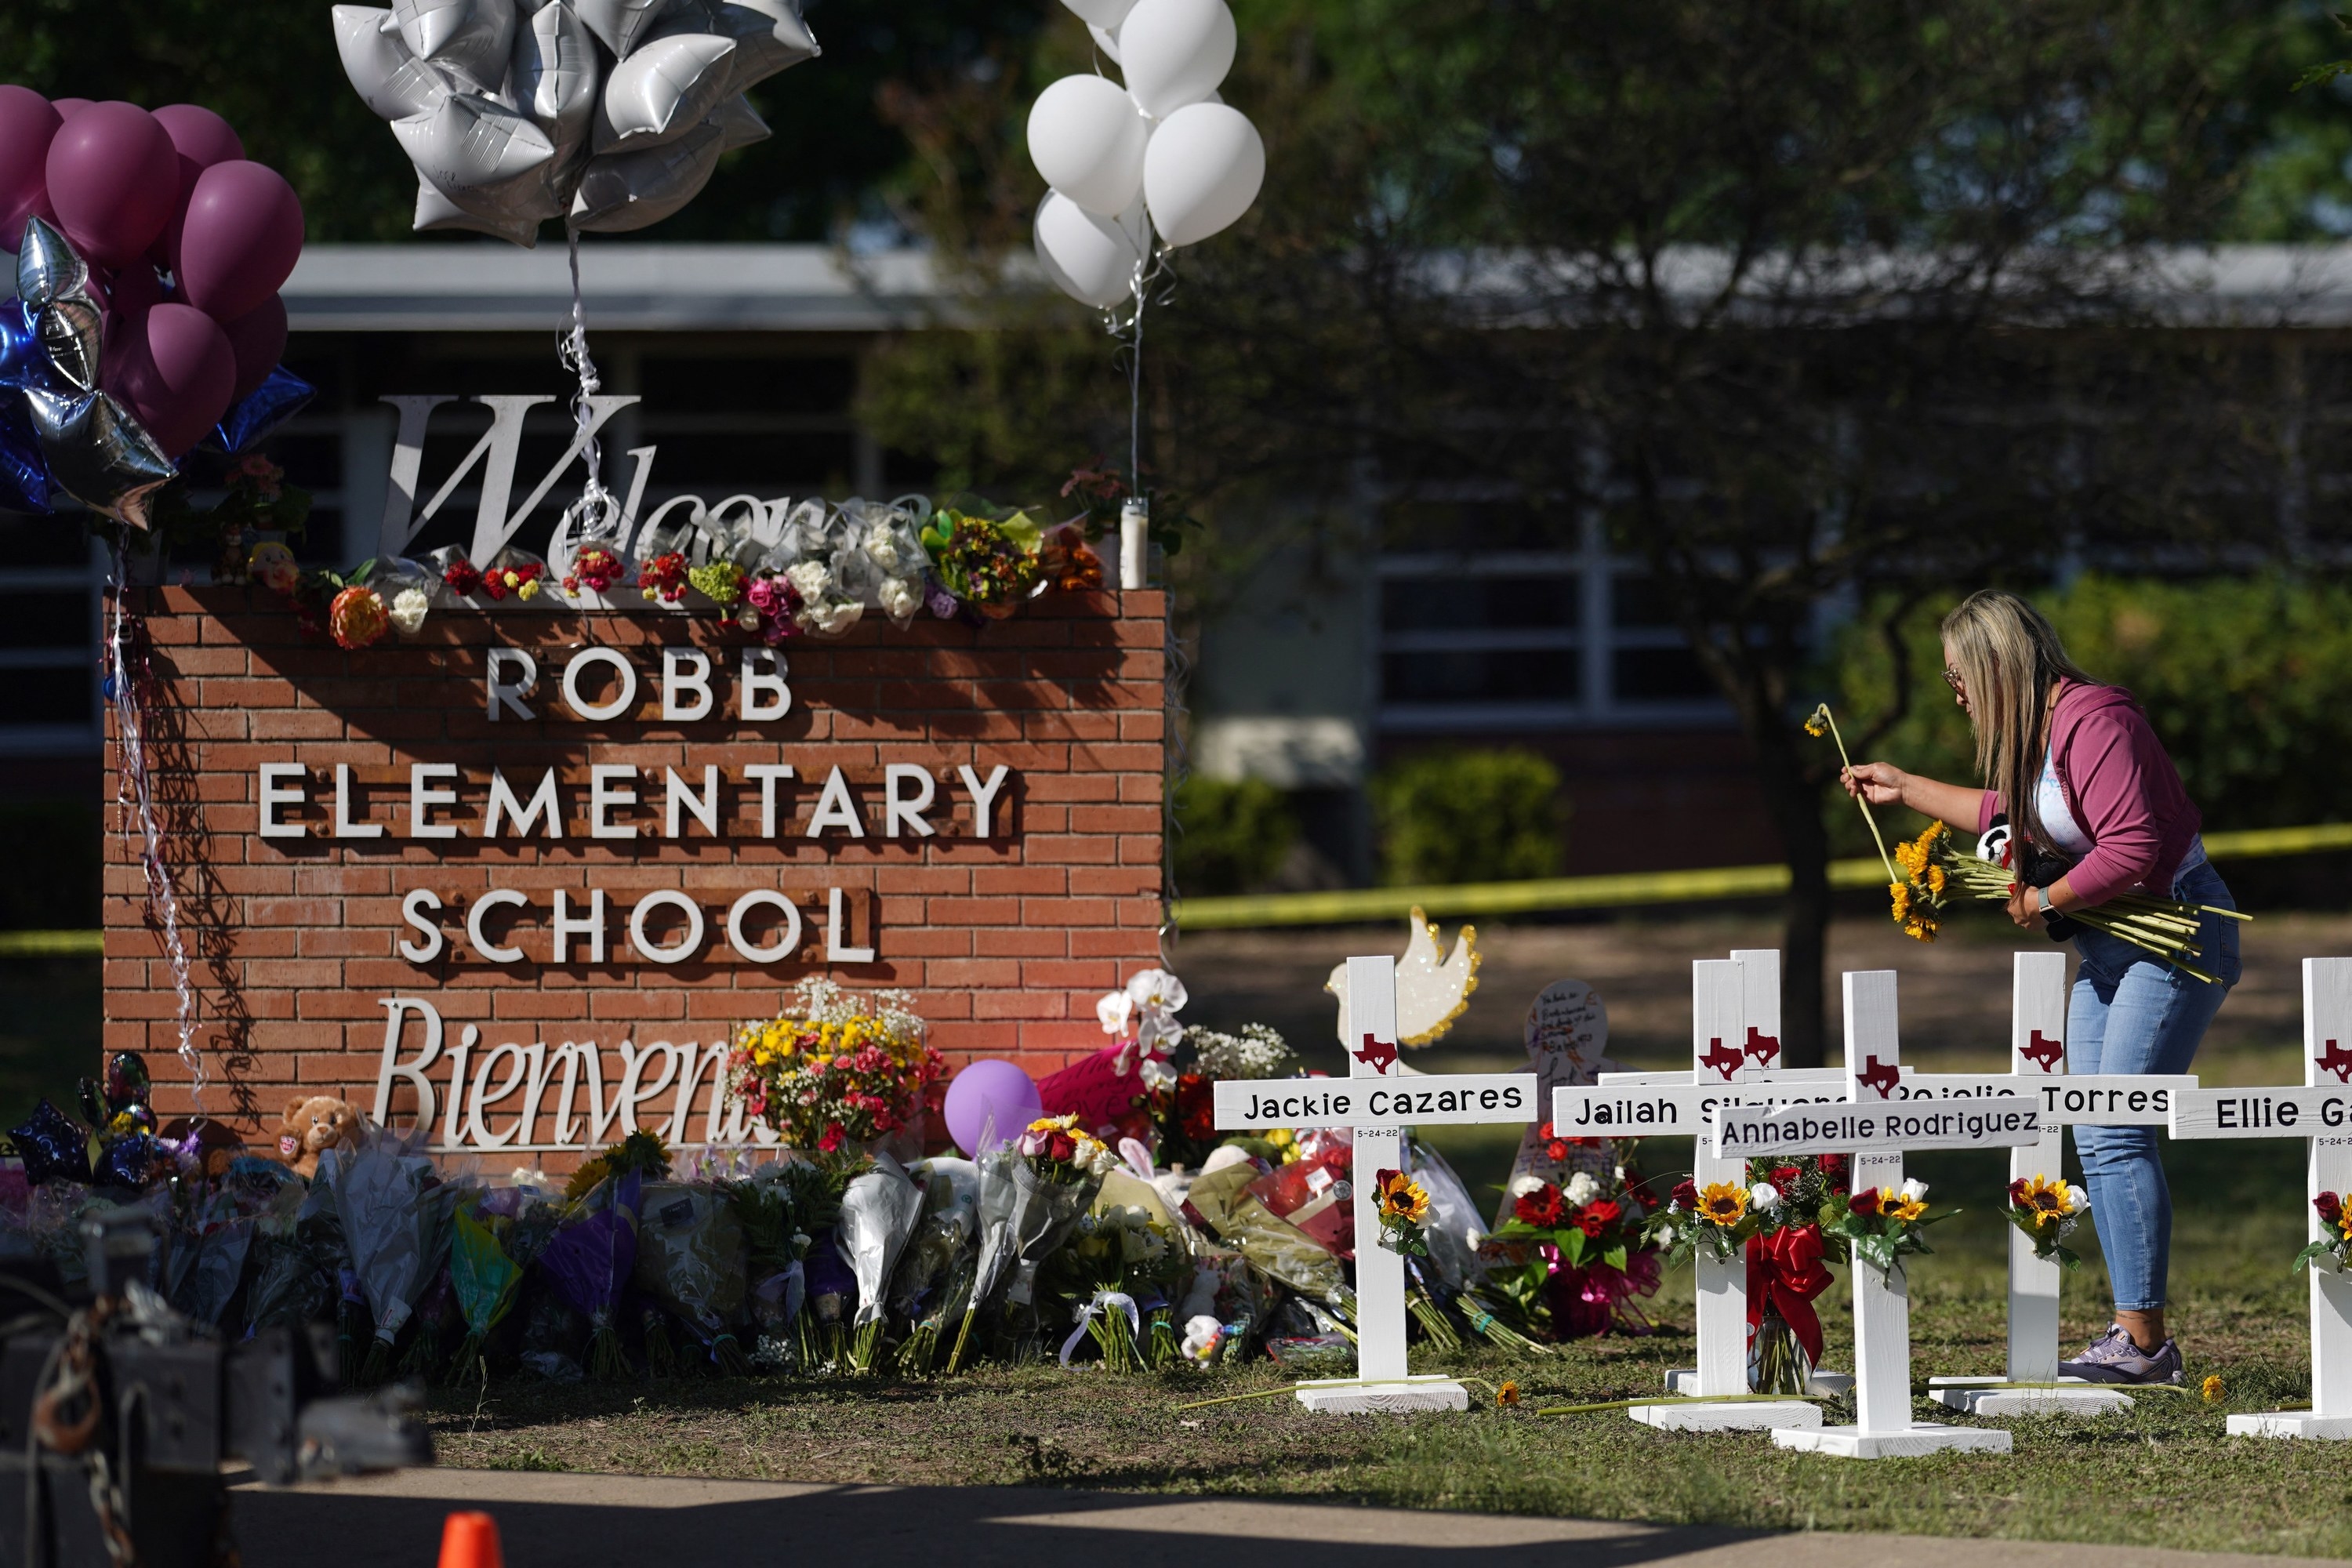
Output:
x=1578 y=1255
x=878 y=1211
x=393 y=1212
x=691 y=1259
x=1032 y=1194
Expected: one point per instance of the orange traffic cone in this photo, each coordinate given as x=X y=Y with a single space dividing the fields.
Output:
x=470 y=1541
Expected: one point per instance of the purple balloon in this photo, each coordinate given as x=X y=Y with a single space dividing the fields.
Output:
x=173 y=369
x=240 y=240
x=68 y=107
x=258 y=338
x=990 y=1089
x=28 y=123
x=135 y=291
x=202 y=139
x=113 y=177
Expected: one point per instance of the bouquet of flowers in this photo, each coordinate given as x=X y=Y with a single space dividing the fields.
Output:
x=2336 y=1244
x=990 y=563
x=1585 y=1251
x=1798 y=1204
x=392 y=1212
x=1032 y=1192
x=839 y=1070
x=485 y=1280
x=690 y=1257
x=1882 y=1225
x=595 y=569
x=1717 y=1218
x=1402 y=1203
x=878 y=1211
x=2047 y=1209
x=935 y=1269
x=1932 y=870
x=589 y=1261
x=1117 y=1268
x=1182 y=1098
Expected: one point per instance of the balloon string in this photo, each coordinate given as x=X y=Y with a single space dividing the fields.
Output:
x=597 y=514
x=161 y=896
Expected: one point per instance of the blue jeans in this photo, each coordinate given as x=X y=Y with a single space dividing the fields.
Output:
x=2133 y=1013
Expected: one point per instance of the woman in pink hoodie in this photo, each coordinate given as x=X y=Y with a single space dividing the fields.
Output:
x=2082 y=779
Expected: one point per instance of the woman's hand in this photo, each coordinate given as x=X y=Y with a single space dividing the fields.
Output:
x=2025 y=906
x=1880 y=784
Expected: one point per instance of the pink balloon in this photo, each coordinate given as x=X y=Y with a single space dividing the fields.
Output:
x=68 y=107
x=202 y=139
x=28 y=124
x=258 y=338
x=174 y=370
x=135 y=291
x=114 y=177
x=243 y=234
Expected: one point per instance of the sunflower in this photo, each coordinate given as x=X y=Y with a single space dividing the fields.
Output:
x=1402 y=1198
x=1508 y=1393
x=2047 y=1198
x=1723 y=1203
x=1893 y=1204
x=1819 y=724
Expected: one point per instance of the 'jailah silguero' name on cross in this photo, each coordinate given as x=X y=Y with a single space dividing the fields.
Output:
x=1735 y=1046
x=1378 y=1101
x=2320 y=1111
x=1876 y=1132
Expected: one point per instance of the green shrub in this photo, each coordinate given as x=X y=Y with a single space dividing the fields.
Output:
x=1232 y=834
x=2243 y=678
x=1469 y=817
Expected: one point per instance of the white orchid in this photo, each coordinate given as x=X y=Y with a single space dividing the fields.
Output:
x=1158 y=989
x=1114 y=1012
x=1157 y=1074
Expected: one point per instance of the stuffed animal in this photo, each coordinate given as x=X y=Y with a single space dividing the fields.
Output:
x=315 y=1123
x=213 y=1146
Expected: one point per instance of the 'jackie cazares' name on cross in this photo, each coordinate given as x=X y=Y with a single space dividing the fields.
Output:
x=1947 y=1124
x=1243 y=1103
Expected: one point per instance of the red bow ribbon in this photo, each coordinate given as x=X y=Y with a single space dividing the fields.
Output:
x=1784 y=1275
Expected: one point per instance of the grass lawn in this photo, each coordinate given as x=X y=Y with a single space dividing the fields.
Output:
x=2164 y=1474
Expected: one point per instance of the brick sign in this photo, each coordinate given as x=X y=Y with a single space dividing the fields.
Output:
x=521 y=874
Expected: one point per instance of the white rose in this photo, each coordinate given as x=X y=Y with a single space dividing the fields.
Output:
x=2077 y=1201
x=1913 y=1189
x=408 y=608
x=1764 y=1195
x=1522 y=1186
x=1581 y=1188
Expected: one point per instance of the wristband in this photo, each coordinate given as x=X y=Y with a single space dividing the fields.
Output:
x=2044 y=892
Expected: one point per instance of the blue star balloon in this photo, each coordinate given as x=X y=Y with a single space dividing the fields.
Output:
x=261 y=411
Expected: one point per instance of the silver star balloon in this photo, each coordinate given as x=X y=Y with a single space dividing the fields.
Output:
x=608 y=113
x=99 y=453
x=68 y=316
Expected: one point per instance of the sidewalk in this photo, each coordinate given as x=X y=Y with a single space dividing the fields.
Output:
x=590 y=1522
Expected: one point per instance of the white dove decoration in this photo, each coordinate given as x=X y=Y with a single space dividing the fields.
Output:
x=1432 y=989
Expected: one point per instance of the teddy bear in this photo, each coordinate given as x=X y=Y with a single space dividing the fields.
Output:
x=315 y=1123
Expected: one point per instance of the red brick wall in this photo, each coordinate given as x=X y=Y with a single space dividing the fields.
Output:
x=1006 y=941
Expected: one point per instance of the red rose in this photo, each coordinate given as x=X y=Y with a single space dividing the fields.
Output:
x=1543 y=1131
x=1864 y=1203
x=1556 y=1151
x=1832 y=1164
x=2329 y=1206
x=2017 y=1191
x=1685 y=1197
x=835 y=1135
x=1196 y=1106
x=1063 y=1147
x=1786 y=1177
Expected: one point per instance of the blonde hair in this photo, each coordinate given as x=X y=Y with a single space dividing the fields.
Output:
x=2011 y=662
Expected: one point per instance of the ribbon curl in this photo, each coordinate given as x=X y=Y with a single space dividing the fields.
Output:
x=1103 y=1305
x=1784 y=1276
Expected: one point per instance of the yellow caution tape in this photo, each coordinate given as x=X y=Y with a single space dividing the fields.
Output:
x=1355 y=905
x=52 y=943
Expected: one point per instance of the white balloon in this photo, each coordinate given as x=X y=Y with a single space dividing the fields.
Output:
x=620 y=22
x=768 y=34
x=390 y=79
x=1101 y=12
x=1175 y=52
x=436 y=211
x=470 y=143
x=554 y=79
x=1090 y=257
x=1106 y=39
x=471 y=38
x=662 y=91
x=624 y=191
x=1086 y=139
x=738 y=124
x=1201 y=171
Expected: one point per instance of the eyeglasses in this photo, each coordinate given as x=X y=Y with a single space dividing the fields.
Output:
x=1952 y=679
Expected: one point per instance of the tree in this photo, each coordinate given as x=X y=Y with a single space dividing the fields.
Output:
x=1815 y=301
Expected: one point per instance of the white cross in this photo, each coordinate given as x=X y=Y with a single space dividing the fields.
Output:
x=1876 y=1132
x=2321 y=1112
x=1734 y=1041
x=2038 y=1067
x=1378 y=1112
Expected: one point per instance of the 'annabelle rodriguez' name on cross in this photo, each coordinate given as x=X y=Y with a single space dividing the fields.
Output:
x=1742 y=1133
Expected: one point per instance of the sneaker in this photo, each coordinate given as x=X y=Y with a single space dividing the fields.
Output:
x=2114 y=1358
